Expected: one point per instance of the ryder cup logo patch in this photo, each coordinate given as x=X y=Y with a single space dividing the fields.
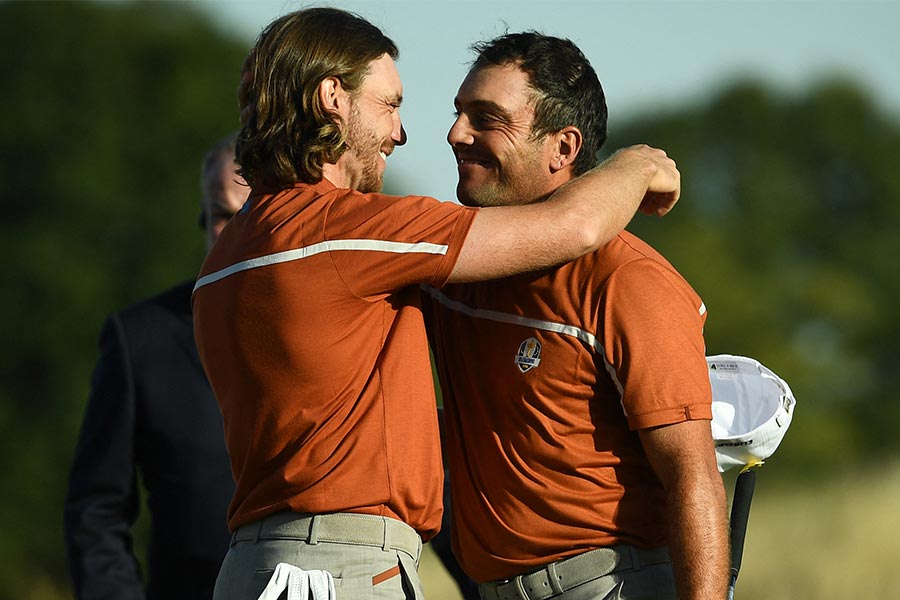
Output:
x=529 y=355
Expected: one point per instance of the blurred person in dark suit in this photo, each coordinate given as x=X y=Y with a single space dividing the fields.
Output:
x=151 y=413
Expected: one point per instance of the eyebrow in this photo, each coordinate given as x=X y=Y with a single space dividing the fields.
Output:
x=486 y=106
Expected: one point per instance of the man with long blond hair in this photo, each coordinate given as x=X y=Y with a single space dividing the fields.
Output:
x=308 y=315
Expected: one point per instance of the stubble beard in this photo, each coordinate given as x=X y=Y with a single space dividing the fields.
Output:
x=483 y=195
x=499 y=191
x=508 y=186
x=364 y=144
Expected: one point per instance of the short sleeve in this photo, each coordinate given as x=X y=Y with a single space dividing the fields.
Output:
x=653 y=328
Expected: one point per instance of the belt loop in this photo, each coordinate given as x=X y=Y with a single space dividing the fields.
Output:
x=233 y=538
x=258 y=526
x=520 y=588
x=313 y=537
x=635 y=558
x=554 y=579
x=386 y=546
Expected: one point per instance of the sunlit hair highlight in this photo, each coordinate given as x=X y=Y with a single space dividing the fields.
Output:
x=288 y=135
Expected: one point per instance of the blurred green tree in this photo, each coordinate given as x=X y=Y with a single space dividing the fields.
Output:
x=108 y=111
x=788 y=229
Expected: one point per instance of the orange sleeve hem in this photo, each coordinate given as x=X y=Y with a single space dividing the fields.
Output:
x=670 y=416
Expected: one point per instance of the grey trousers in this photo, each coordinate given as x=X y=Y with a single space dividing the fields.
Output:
x=651 y=582
x=363 y=566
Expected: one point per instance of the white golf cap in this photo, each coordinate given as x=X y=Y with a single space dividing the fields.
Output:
x=752 y=408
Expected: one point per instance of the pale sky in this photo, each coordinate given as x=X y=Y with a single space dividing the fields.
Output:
x=650 y=55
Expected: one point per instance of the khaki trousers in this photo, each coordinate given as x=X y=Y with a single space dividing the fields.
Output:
x=370 y=557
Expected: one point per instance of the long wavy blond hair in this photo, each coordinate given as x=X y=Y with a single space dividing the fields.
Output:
x=286 y=134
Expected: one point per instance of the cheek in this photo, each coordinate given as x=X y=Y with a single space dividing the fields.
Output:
x=513 y=158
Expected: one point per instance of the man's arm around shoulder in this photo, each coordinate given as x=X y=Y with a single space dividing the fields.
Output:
x=581 y=216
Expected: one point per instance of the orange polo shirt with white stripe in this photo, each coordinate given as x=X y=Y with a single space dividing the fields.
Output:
x=545 y=378
x=309 y=326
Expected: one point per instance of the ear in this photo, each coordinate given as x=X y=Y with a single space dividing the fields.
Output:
x=566 y=146
x=332 y=96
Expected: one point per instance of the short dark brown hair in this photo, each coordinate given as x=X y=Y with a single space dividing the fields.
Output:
x=288 y=136
x=566 y=88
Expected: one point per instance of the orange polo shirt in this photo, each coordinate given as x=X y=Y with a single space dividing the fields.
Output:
x=546 y=377
x=310 y=329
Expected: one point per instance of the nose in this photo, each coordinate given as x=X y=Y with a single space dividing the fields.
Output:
x=460 y=132
x=399 y=132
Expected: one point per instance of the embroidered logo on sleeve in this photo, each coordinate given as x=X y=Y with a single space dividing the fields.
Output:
x=529 y=355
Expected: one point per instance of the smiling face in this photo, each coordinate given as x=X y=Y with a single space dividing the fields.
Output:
x=373 y=126
x=498 y=160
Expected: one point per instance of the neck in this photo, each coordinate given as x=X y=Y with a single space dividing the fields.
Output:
x=557 y=180
x=335 y=175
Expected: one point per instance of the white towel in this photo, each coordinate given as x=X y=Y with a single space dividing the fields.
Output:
x=300 y=584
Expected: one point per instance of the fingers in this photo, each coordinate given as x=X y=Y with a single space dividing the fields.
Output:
x=657 y=204
x=664 y=188
x=667 y=178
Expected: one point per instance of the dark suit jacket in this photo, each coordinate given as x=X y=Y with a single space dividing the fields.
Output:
x=151 y=411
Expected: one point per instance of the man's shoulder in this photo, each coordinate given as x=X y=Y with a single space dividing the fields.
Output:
x=379 y=202
x=627 y=249
x=385 y=217
x=631 y=246
x=343 y=211
x=326 y=190
x=634 y=264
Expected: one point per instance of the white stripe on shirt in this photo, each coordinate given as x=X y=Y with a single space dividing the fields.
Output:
x=585 y=337
x=327 y=246
x=493 y=315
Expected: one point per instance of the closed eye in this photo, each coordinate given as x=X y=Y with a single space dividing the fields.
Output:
x=483 y=121
x=477 y=120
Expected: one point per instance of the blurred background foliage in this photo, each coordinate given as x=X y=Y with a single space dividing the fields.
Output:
x=787 y=228
x=108 y=110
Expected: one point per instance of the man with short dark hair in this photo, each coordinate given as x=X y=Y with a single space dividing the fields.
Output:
x=577 y=400
x=307 y=311
x=151 y=414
